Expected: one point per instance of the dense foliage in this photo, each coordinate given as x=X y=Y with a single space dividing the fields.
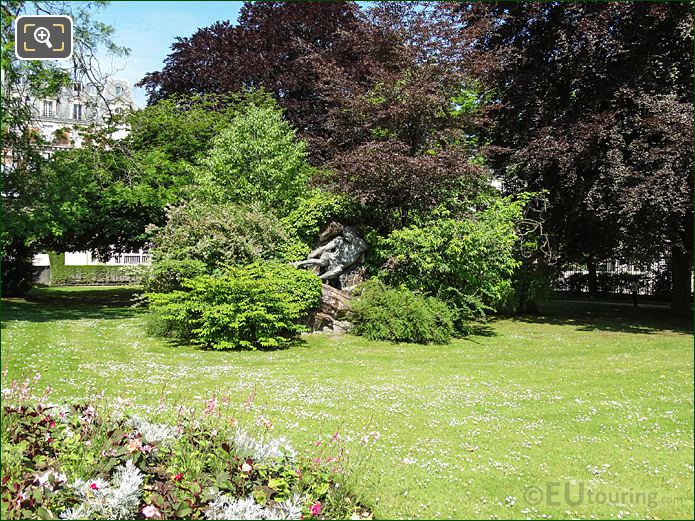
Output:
x=117 y=188
x=256 y=306
x=391 y=120
x=399 y=315
x=315 y=209
x=273 y=45
x=202 y=238
x=402 y=141
x=85 y=461
x=256 y=160
x=465 y=262
x=593 y=102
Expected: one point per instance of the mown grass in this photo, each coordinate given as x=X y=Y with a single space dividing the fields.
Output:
x=595 y=397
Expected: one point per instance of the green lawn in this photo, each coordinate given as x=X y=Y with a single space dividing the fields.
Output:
x=596 y=396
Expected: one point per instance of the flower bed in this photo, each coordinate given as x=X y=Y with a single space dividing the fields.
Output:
x=78 y=462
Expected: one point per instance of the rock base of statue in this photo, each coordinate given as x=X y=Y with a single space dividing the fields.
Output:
x=331 y=316
x=352 y=277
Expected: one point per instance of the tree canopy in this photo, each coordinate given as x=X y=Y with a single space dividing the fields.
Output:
x=405 y=110
x=37 y=204
x=271 y=46
x=592 y=102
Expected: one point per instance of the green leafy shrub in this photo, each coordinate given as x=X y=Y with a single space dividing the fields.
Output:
x=202 y=238
x=259 y=305
x=465 y=262
x=316 y=209
x=399 y=315
x=167 y=274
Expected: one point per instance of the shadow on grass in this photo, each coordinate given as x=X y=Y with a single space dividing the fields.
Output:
x=22 y=310
x=609 y=316
x=478 y=330
x=51 y=304
x=83 y=295
x=175 y=342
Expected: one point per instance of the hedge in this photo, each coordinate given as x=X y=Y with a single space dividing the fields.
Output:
x=62 y=275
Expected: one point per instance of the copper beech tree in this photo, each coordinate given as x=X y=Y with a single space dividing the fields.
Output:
x=592 y=102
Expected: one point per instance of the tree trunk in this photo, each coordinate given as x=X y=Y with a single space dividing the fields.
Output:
x=681 y=263
x=593 y=280
x=17 y=270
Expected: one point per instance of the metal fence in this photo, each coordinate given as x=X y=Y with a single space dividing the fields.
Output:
x=618 y=278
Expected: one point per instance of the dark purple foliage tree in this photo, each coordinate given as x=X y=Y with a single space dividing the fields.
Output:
x=593 y=104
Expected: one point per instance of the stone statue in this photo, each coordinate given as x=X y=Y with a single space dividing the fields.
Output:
x=343 y=250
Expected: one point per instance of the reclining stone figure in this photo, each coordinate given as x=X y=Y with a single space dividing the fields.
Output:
x=343 y=251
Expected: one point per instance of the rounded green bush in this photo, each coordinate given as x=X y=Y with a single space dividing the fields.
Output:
x=399 y=315
x=259 y=305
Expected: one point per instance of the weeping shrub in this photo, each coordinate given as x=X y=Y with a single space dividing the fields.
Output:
x=256 y=306
x=399 y=315
x=203 y=238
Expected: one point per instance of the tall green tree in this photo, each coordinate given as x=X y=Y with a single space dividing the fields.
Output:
x=36 y=205
x=127 y=184
x=256 y=160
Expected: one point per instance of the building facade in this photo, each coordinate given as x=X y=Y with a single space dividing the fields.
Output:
x=63 y=119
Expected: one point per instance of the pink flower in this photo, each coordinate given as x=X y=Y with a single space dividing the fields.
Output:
x=248 y=403
x=151 y=512
x=210 y=407
x=94 y=486
x=335 y=437
x=264 y=422
x=135 y=445
x=315 y=509
x=178 y=477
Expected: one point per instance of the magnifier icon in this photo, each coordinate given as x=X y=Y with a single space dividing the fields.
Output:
x=42 y=35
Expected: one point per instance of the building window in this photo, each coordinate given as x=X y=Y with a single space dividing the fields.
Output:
x=47 y=109
x=118 y=110
x=77 y=111
x=77 y=87
x=119 y=89
x=91 y=89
